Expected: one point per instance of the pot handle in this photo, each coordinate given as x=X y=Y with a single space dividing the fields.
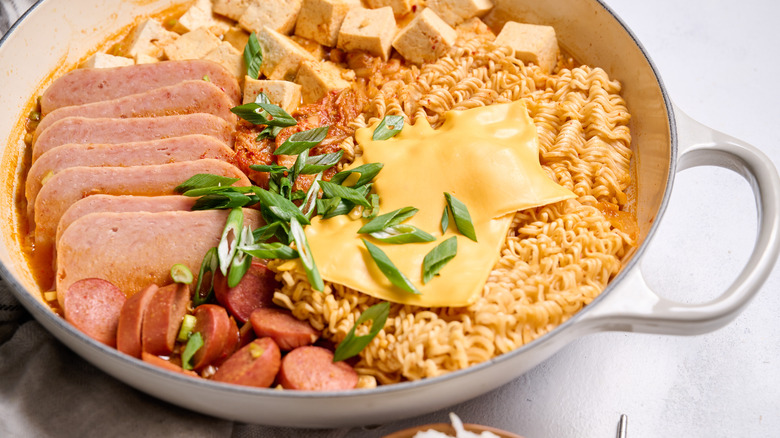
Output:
x=635 y=307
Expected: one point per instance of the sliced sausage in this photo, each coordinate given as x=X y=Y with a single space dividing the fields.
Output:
x=170 y=150
x=70 y=185
x=162 y=319
x=255 y=290
x=135 y=249
x=87 y=85
x=246 y=334
x=166 y=364
x=288 y=331
x=254 y=365
x=93 y=306
x=187 y=97
x=231 y=344
x=213 y=324
x=82 y=130
x=312 y=368
x=128 y=332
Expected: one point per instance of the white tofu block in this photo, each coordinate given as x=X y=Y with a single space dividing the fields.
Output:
x=318 y=79
x=281 y=55
x=370 y=30
x=283 y=93
x=425 y=38
x=400 y=7
x=145 y=59
x=227 y=56
x=198 y=15
x=532 y=43
x=279 y=15
x=454 y=12
x=148 y=38
x=232 y=9
x=102 y=60
x=320 y=20
x=192 y=45
x=316 y=49
x=237 y=37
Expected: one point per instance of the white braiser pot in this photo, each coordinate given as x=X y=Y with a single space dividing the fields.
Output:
x=56 y=34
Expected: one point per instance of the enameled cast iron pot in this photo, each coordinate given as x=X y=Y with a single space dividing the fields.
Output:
x=55 y=34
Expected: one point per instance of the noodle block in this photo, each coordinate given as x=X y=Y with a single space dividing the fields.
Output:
x=532 y=43
x=487 y=157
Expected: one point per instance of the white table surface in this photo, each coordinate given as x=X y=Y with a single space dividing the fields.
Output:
x=719 y=62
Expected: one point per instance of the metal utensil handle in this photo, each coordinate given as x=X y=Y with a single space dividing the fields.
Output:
x=636 y=307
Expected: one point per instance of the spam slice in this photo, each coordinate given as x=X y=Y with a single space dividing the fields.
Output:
x=70 y=185
x=88 y=85
x=171 y=150
x=120 y=204
x=82 y=130
x=133 y=250
x=186 y=97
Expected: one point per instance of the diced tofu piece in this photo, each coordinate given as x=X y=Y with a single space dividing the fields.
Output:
x=320 y=20
x=474 y=28
x=192 y=45
x=532 y=43
x=454 y=12
x=318 y=79
x=149 y=38
x=101 y=60
x=237 y=37
x=279 y=15
x=227 y=56
x=200 y=15
x=283 y=93
x=145 y=59
x=425 y=38
x=400 y=7
x=281 y=56
x=231 y=8
x=316 y=49
x=370 y=30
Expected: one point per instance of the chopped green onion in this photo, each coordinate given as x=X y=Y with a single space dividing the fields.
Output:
x=310 y=201
x=206 y=78
x=226 y=249
x=332 y=190
x=203 y=180
x=280 y=207
x=438 y=257
x=302 y=141
x=386 y=220
x=389 y=127
x=321 y=163
x=264 y=114
x=223 y=201
x=302 y=245
x=262 y=98
x=389 y=269
x=203 y=191
x=181 y=274
x=462 y=217
x=279 y=117
x=265 y=232
x=209 y=265
x=241 y=261
x=367 y=173
x=370 y=213
x=402 y=233
x=193 y=345
x=274 y=250
x=187 y=324
x=332 y=207
x=352 y=345
x=272 y=168
x=445 y=220
x=253 y=56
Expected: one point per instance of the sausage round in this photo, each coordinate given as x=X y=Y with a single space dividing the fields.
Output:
x=312 y=368
x=288 y=331
x=166 y=364
x=256 y=364
x=231 y=343
x=254 y=291
x=93 y=306
x=128 y=331
x=213 y=324
x=163 y=318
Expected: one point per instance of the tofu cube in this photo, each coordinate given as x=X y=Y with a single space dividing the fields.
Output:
x=316 y=49
x=232 y=9
x=283 y=93
x=198 y=15
x=148 y=38
x=370 y=30
x=320 y=20
x=318 y=79
x=454 y=12
x=532 y=43
x=425 y=38
x=237 y=37
x=102 y=60
x=400 y=7
x=281 y=56
x=145 y=59
x=192 y=45
x=279 y=15
x=227 y=56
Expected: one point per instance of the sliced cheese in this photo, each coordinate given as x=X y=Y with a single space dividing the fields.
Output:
x=486 y=157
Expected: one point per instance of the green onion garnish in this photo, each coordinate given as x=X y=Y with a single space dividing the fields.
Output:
x=210 y=265
x=438 y=257
x=321 y=163
x=193 y=345
x=302 y=141
x=280 y=207
x=332 y=190
x=367 y=173
x=204 y=180
x=445 y=220
x=370 y=213
x=253 y=56
x=386 y=220
x=309 y=204
x=223 y=201
x=402 y=233
x=264 y=114
x=187 y=324
x=302 y=245
x=389 y=269
x=265 y=232
x=273 y=250
x=389 y=127
x=352 y=345
x=226 y=249
x=462 y=217
x=181 y=274
x=241 y=261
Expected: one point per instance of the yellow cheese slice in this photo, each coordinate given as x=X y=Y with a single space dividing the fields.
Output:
x=486 y=157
